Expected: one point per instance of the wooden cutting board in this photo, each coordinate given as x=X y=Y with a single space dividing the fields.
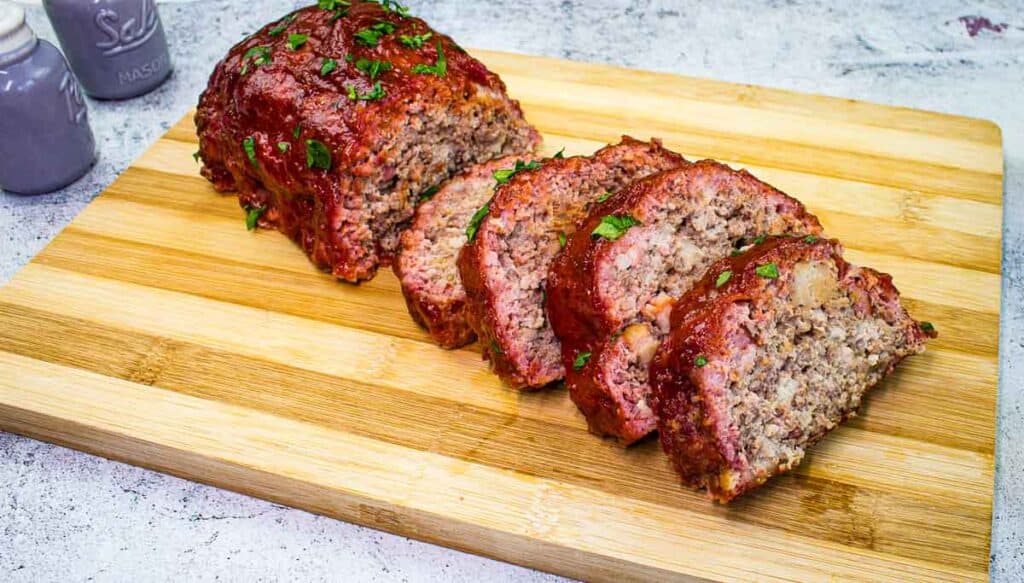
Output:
x=157 y=331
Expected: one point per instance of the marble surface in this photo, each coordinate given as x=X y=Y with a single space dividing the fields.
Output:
x=67 y=516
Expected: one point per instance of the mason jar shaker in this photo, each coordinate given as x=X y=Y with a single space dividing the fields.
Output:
x=45 y=139
x=116 y=48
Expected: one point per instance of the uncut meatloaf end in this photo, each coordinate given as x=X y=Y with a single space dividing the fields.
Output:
x=758 y=369
x=608 y=300
x=430 y=247
x=330 y=124
x=504 y=267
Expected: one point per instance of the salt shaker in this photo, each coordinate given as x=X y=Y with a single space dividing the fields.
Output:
x=45 y=139
x=116 y=47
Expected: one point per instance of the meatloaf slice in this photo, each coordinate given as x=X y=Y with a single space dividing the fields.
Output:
x=332 y=121
x=609 y=299
x=770 y=351
x=430 y=247
x=504 y=267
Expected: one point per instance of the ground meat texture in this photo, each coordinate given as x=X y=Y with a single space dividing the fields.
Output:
x=430 y=247
x=758 y=369
x=505 y=267
x=330 y=123
x=610 y=299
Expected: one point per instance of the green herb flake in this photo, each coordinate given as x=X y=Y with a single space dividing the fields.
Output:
x=758 y=240
x=559 y=154
x=614 y=226
x=372 y=68
x=249 y=145
x=561 y=240
x=474 y=222
x=700 y=361
x=723 y=278
x=317 y=155
x=281 y=25
x=429 y=193
x=810 y=239
x=768 y=270
x=283 y=146
x=332 y=4
x=736 y=252
x=327 y=66
x=295 y=41
x=195 y=156
x=928 y=327
x=393 y=7
x=256 y=56
x=375 y=93
x=252 y=217
x=605 y=196
x=439 y=68
x=503 y=176
x=372 y=35
x=495 y=348
x=581 y=360
x=415 y=41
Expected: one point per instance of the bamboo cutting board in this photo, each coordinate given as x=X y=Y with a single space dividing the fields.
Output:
x=156 y=330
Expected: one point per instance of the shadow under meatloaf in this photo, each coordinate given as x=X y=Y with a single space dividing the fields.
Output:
x=330 y=127
x=761 y=367
x=430 y=247
x=608 y=300
x=505 y=265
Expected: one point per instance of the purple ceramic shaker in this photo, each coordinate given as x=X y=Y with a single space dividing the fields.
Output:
x=117 y=48
x=45 y=139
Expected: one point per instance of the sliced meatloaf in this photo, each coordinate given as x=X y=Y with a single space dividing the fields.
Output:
x=332 y=121
x=430 y=247
x=609 y=297
x=770 y=351
x=504 y=266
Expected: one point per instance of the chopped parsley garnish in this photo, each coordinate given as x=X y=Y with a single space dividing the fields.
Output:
x=249 y=145
x=561 y=240
x=605 y=196
x=928 y=327
x=327 y=66
x=429 y=193
x=297 y=131
x=810 y=239
x=768 y=270
x=474 y=223
x=282 y=25
x=283 y=146
x=503 y=176
x=559 y=154
x=723 y=278
x=332 y=4
x=758 y=240
x=581 y=360
x=297 y=40
x=195 y=156
x=372 y=68
x=252 y=216
x=372 y=35
x=700 y=361
x=376 y=93
x=614 y=226
x=256 y=56
x=392 y=6
x=495 y=348
x=415 y=41
x=439 y=68
x=317 y=155
x=736 y=252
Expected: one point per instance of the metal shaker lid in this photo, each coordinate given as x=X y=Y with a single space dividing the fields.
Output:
x=15 y=36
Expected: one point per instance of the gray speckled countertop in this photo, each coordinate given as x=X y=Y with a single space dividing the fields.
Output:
x=68 y=516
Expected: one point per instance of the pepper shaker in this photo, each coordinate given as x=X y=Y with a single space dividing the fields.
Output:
x=45 y=139
x=116 y=47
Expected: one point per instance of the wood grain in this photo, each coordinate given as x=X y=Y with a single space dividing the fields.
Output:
x=156 y=330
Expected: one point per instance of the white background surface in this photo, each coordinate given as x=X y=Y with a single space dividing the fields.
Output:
x=67 y=516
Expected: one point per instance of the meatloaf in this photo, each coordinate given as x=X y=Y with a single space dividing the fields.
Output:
x=608 y=299
x=331 y=122
x=430 y=246
x=504 y=265
x=770 y=351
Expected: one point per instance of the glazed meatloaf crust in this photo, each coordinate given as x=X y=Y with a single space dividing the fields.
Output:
x=504 y=267
x=331 y=122
x=609 y=297
x=430 y=247
x=770 y=351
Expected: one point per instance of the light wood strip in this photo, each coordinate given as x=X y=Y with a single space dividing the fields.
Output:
x=403 y=482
